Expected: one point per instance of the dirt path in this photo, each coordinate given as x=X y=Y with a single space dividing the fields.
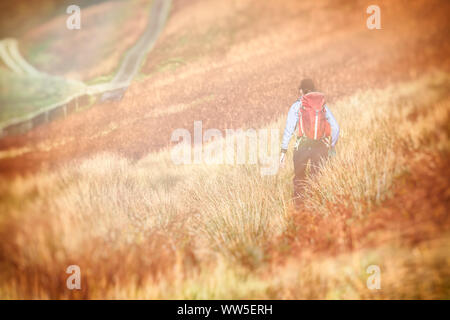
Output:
x=11 y=57
x=249 y=81
x=416 y=213
x=134 y=57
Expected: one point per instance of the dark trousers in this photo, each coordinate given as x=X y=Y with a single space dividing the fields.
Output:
x=311 y=150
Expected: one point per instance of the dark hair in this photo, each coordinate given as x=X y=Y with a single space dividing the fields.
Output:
x=307 y=85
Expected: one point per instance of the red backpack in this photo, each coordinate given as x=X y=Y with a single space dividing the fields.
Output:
x=312 y=121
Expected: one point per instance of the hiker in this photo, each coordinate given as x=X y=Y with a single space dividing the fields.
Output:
x=316 y=126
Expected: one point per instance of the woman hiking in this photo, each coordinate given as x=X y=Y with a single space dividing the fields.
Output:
x=316 y=127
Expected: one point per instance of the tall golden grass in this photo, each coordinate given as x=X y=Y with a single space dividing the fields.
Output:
x=153 y=229
x=377 y=141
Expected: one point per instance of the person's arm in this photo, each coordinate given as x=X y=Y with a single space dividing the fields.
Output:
x=291 y=123
x=334 y=126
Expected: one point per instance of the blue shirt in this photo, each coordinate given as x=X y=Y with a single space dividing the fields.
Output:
x=292 y=121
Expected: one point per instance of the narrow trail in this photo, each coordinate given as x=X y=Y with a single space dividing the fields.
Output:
x=416 y=213
x=133 y=59
x=10 y=54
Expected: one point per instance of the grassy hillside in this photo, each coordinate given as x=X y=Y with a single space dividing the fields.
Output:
x=63 y=55
x=152 y=229
x=108 y=30
x=17 y=17
x=21 y=95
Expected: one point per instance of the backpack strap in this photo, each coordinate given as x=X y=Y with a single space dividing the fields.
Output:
x=315 y=124
x=301 y=121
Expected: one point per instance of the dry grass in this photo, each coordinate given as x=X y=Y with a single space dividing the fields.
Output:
x=362 y=174
x=153 y=229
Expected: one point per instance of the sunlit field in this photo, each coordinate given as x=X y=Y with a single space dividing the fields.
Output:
x=100 y=188
x=152 y=229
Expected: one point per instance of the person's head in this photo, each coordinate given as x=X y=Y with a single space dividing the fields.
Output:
x=306 y=86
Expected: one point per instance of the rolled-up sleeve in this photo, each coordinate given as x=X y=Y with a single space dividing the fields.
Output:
x=291 y=123
x=334 y=126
